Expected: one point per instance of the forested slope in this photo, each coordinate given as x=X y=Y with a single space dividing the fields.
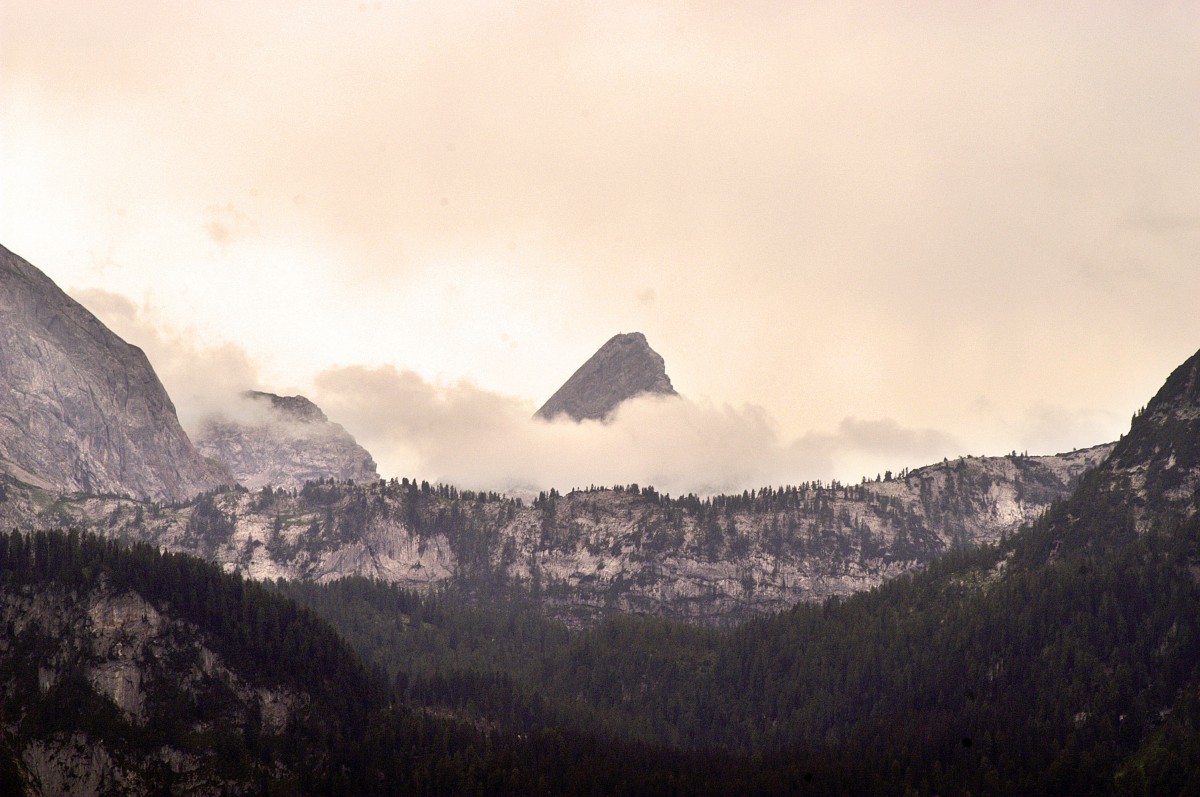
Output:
x=128 y=671
x=1064 y=659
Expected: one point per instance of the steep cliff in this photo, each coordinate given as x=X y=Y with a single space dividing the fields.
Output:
x=81 y=409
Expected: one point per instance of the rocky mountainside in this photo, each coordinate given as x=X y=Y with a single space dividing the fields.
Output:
x=1158 y=462
x=283 y=441
x=129 y=672
x=624 y=367
x=81 y=409
x=590 y=554
x=126 y=671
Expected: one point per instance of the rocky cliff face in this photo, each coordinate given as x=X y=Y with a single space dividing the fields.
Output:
x=81 y=409
x=283 y=441
x=129 y=671
x=590 y=554
x=624 y=367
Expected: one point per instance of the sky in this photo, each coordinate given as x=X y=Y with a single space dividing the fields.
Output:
x=863 y=237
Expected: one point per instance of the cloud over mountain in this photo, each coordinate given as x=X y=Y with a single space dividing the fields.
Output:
x=201 y=379
x=472 y=437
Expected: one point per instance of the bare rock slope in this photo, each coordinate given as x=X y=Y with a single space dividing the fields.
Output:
x=283 y=441
x=624 y=367
x=82 y=410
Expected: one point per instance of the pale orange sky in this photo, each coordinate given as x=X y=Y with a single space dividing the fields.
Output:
x=884 y=232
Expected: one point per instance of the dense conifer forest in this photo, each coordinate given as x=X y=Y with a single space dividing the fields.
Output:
x=354 y=734
x=1065 y=660
x=994 y=672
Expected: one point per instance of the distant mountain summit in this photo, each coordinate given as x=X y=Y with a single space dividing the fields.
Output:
x=82 y=410
x=623 y=368
x=283 y=441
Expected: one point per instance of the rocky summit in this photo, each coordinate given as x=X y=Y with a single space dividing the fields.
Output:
x=81 y=409
x=283 y=441
x=624 y=367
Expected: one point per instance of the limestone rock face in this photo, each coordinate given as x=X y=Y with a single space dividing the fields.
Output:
x=283 y=441
x=80 y=409
x=624 y=367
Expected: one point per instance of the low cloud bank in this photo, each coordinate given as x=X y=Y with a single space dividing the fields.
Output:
x=201 y=380
x=462 y=434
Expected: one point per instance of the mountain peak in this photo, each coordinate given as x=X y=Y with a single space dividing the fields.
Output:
x=293 y=408
x=622 y=368
x=282 y=441
x=81 y=409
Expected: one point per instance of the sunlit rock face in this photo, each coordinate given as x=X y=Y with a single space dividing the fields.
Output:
x=82 y=410
x=282 y=441
x=623 y=368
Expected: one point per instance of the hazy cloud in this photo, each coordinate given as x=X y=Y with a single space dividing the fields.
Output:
x=870 y=210
x=860 y=448
x=227 y=224
x=1051 y=429
x=201 y=380
x=462 y=434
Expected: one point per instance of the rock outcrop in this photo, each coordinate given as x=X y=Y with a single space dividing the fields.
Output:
x=623 y=368
x=283 y=441
x=82 y=410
